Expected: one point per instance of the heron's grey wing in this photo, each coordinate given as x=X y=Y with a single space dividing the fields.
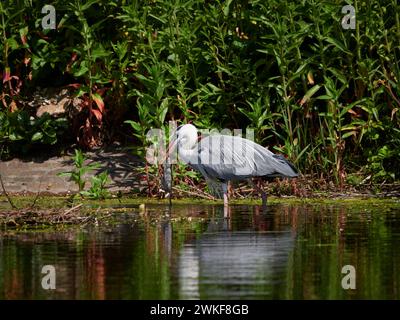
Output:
x=268 y=163
x=217 y=158
x=231 y=157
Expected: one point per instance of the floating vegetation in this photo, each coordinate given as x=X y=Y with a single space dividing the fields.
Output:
x=34 y=217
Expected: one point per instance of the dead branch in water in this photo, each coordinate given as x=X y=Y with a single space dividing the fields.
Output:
x=73 y=209
x=201 y=195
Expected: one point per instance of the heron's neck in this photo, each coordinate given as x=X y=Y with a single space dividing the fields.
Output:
x=188 y=155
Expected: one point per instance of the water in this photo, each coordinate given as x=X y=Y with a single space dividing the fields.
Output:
x=192 y=252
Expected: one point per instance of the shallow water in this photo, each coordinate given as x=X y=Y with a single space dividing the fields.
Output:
x=193 y=251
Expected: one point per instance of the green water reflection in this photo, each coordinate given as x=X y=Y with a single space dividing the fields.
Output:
x=192 y=252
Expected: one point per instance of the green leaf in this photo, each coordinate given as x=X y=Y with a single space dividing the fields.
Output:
x=338 y=45
x=99 y=52
x=339 y=75
x=348 y=134
x=81 y=71
x=213 y=87
x=298 y=72
x=88 y=4
x=324 y=97
x=15 y=137
x=135 y=125
x=64 y=174
x=164 y=110
x=163 y=21
x=348 y=107
x=37 y=136
x=309 y=94
x=12 y=43
x=226 y=7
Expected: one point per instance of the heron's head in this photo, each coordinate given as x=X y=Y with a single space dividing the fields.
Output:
x=186 y=136
x=185 y=139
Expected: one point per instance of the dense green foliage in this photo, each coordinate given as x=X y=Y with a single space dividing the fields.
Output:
x=326 y=97
x=21 y=133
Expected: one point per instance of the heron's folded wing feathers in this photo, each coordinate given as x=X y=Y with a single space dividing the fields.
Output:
x=231 y=157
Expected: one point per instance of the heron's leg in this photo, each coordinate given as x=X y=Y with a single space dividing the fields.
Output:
x=230 y=189
x=225 y=199
x=263 y=196
x=260 y=192
x=225 y=192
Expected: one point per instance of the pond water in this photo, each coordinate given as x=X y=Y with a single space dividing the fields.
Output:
x=287 y=251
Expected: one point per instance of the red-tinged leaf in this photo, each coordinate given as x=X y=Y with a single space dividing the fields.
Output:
x=74 y=56
x=13 y=106
x=23 y=33
x=97 y=114
x=6 y=75
x=101 y=91
x=74 y=85
x=23 y=39
x=43 y=36
x=99 y=101
x=27 y=60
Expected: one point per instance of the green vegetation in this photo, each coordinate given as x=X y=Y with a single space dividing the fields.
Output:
x=326 y=97
x=98 y=182
x=21 y=133
x=129 y=202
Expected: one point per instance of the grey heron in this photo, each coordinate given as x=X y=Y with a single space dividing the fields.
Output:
x=223 y=158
